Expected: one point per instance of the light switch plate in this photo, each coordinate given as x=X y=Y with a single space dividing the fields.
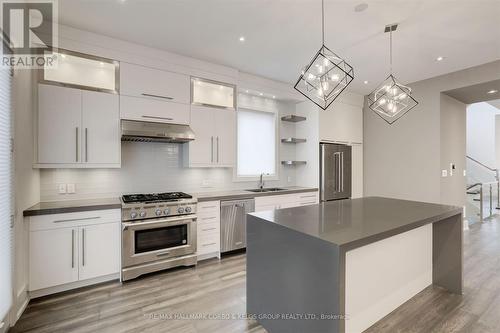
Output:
x=206 y=183
x=71 y=188
x=465 y=175
x=444 y=173
x=62 y=188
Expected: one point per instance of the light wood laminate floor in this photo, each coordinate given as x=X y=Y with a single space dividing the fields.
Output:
x=215 y=288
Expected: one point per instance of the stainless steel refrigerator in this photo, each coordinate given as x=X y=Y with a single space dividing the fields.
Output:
x=335 y=171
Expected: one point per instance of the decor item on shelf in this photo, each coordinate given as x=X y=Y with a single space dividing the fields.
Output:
x=326 y=76
x=391 y=100
x=293 y=140
x=293 y=118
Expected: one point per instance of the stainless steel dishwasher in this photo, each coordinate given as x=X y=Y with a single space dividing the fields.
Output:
x=233 y=227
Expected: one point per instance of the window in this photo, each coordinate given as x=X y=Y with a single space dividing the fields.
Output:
x=5 y=192
x=256 y=143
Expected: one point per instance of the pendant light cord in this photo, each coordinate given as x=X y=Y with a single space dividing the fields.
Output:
x=323 y=22
x=391 y=49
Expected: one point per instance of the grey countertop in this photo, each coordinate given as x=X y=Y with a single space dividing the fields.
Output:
x=351 y=223
x=241 y=194
x=71 y=206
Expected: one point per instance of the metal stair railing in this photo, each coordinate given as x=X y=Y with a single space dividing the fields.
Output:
x=497 y=178
x=470 y=187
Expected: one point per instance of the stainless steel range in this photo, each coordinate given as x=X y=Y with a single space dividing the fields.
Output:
x=159 y=232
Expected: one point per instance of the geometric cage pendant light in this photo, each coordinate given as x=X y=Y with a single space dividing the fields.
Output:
x=326 y=76
x=391 y=100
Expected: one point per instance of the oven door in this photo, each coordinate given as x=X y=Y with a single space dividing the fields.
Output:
x=158 y=239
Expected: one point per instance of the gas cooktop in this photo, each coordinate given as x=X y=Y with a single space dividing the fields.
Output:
x=155 y=197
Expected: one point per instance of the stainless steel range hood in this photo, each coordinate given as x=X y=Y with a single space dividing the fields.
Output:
x=141 y=131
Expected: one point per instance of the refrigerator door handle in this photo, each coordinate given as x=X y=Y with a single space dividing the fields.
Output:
x=342 y=171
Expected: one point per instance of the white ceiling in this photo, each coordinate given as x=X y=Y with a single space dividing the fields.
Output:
x=282 y=35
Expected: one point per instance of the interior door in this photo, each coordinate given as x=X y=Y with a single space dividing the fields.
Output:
x=101 y=142
x=99 y=250
x=225 y=137
x=53 y=257
x=202 y=149
x=59 y=124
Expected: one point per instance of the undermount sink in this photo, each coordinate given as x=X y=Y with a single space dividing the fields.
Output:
x=270 y=189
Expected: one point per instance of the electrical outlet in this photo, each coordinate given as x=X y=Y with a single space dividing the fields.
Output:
x=444 y=173
x=289 y=179
x=71 y=188
x=62 y=188
x=206 y=183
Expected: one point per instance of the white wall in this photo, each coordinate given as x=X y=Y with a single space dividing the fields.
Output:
x=26 y=180
x=482 y=140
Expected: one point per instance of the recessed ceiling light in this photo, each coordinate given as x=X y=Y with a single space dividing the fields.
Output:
x=365 y=82
x=261 y=94
x=492 y=91
x=246 y=91
x=242 y=38
x=274 y=96
x=440 y=58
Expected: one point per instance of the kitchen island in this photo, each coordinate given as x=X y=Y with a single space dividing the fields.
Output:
x=341 y=266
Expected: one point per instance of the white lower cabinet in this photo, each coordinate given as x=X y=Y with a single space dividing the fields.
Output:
x=68 y=249
x=273 y=202
x=208 y=230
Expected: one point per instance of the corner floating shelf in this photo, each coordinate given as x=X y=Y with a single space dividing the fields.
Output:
x=293 y=140
x=293 y=118
x=293 y=162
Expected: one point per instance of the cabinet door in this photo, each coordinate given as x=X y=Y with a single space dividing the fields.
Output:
x=225 y=137
x=145 y=109
x=154 y=83
x=203 y=149
x=53 y=257
x=59 y=124
x=99 y=250
x=100 y=128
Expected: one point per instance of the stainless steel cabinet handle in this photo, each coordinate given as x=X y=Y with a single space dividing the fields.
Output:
x=86 y=145
x=81 y=219
x=208 y=244
x=342 y=171
x=76 y=143
x=162 y=254
x=217 y=149
x=83 y=246
x=157 y=96
x=212 y=149
x=156 y=117
x=73 y=248
x=208 y=218
x=208 y=229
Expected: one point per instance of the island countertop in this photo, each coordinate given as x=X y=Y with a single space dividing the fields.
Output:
x=357 y=222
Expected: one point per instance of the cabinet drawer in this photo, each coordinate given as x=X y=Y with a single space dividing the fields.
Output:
x=149 y=82
x=71 y=220
x=143 y=109
x=208 y=219
x=208 y=244
x=208 y=229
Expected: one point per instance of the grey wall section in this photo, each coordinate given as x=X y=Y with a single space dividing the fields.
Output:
x=453 y=150
x=404 y=160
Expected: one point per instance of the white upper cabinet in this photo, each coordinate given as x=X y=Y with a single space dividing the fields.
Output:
x=343 y=121
x=100 y=128
x=83 y=71
x=212 y=93
x=59 y=124
x=215 y=132
x=145 y=82
x=144 y=109
x=77 y=128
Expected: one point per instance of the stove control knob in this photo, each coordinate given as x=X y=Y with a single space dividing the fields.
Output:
x=158 y=212
x=166 y=211
x=180 y=210
x=188 y=209
x=133 y=215
x=142 y=214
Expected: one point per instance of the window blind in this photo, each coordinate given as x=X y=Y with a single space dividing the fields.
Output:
x=256 y=143
x=5 y=192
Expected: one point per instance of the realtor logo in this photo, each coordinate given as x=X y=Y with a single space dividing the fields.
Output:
x=28 y=33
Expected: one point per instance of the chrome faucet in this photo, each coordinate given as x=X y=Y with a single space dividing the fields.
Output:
x=261 y=180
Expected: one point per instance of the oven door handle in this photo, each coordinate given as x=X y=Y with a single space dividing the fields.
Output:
x=169 y=222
